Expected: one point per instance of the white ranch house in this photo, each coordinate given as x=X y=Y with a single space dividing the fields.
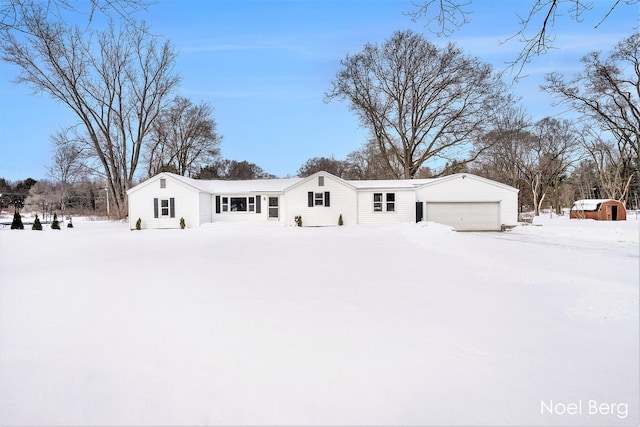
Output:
x=463 y=201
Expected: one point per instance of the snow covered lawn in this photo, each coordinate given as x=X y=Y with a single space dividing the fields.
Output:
x=264 y=324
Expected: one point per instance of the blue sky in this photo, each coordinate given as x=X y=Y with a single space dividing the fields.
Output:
x=265 y=65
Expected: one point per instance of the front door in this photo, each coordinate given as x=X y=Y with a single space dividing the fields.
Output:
x=419 y=211
x=274 y=211
x=614 y=213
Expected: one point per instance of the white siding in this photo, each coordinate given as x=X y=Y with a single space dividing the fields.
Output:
x=141 y=203
x=472 y=189
x=343 y=200
x=405 y=207
x=205 y=209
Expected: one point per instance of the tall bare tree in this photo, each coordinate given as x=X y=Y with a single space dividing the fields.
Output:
x=15 y=15
x=547 y=157
x=184 y=138
x=232 y=169
x=368 y=163
x=607 y=95
x=336 y=167
x=613 y=162
x=419 y=101
x=535 y=32
x=67 y=163
x=115 y=81
x=607 y=92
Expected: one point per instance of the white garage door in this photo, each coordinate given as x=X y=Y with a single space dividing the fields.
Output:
x=466 y=216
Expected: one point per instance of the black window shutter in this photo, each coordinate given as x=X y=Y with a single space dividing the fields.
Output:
x=217 y=204
x=155 y=208
x=172 y=207
x=310 y=199
x=327 y=201
x=257 y=203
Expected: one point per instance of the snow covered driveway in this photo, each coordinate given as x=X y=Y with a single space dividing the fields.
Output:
x=264 y=324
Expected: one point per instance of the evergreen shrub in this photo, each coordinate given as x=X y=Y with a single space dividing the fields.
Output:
x=139 y=224
x=340 y=222
x=70 y=224
x=55 y=224
x=37 y=225
x=182 y=224
x=16 y=224
x=298 y=220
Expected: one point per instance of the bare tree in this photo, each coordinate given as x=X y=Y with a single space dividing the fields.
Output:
x=369 y=163
x=67 y=164
x=184 y=138
x=607 y=95
x=443 y=17
x=419 y=101
x=338 y=168
x=501 y=148
x=115 y=81
x=232 y=169
x=15 y=15
x=547 y=157
x=613 y=163
x=607 y=92
x=534 y=158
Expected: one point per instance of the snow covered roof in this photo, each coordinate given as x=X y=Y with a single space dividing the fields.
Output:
x=390 y=183
x=588 y=204
x=279 y=185
x=219 y=186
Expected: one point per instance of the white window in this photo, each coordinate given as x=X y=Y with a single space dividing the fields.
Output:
x=163 y=183
x=164 y=207
x=318 y=199
x=377 y=202
x=386 y=204
x=239 y=204
x=391 y=202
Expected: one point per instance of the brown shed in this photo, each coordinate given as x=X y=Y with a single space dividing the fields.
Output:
x=599 y=209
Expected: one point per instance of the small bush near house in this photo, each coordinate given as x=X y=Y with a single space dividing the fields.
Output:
x=37 y=225
x=182 y=224
x=55 y=224
x=298 y=220
x=70 y=224
x=16 y=224
x=139 y=224
x=340 y=222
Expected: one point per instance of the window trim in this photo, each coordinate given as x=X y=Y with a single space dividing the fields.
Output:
x=164 y=208
x=251 y=203
x=384 y=202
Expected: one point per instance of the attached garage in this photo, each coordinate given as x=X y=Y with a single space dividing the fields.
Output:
x=468 y=203
x=465 y=216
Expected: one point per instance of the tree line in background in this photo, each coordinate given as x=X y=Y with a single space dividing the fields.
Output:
x=430 y=111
